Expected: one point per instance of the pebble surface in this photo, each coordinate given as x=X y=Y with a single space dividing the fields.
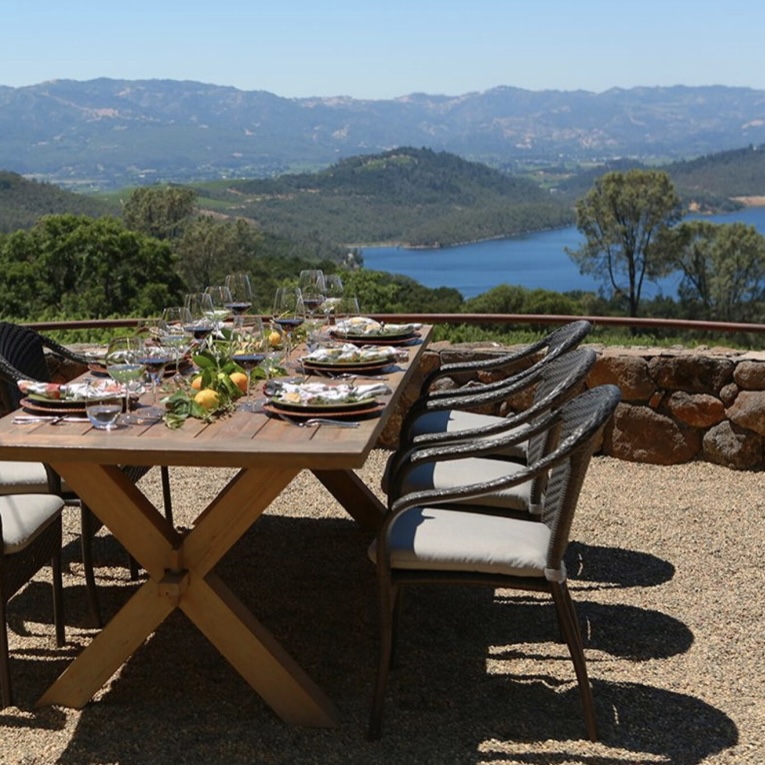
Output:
x=665 y=571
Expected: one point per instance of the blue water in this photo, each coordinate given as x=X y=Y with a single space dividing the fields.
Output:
x=534 y=261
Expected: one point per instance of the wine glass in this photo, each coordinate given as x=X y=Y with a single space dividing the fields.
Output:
x=155 y=356
x=238 y=285
x=333 y=294
x=220 y=295
x=124 y=366
x=289 y=311
x=200 y=307
x=175 y=332
x=248 y=350
x=311 y=284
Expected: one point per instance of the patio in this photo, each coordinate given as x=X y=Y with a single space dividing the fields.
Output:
x=665 y=576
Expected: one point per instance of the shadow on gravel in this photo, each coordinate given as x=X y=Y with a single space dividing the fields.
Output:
x=310 y=583
x=612 y=567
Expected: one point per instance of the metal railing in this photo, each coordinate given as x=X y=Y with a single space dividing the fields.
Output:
x=468 y=318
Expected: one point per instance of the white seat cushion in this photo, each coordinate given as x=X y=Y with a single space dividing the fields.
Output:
x=452 y=474
x=25 y=516
x=456 y=421
x=23 y=478
x=452 y=540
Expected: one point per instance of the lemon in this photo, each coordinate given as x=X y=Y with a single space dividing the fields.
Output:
x=240 y=380
x=207 y=398
x=275 y=339
x=196 y=383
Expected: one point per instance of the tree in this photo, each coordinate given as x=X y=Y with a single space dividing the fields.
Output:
x=622 y=218
x=81 y=267
x=159 y=211
x=723 y=269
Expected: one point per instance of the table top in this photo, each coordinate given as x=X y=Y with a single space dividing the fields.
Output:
x=241 y=440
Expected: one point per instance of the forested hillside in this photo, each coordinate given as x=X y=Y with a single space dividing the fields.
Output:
x=22 y=202
x=416 y=196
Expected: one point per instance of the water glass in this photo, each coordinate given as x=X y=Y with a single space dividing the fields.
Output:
x=103 y=405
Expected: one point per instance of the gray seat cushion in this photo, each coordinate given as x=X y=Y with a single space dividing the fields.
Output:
x=25 y=517
x=443 y=539
x=452 y=474
x=456 y=421
x=23 y=478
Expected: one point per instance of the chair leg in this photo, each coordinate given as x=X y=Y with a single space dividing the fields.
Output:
x=167 y=499
x=86 y=544
x=388 y=597
x=6 y=694
x=58 y=595
x=569 y=623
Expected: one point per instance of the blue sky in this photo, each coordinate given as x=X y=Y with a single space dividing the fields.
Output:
x=378 y=50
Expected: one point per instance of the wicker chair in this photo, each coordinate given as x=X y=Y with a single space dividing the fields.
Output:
x=555 y=381
x=30 y=530
x=425 y=539
x=22 y=356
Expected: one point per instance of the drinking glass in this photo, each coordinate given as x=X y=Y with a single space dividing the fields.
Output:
x=200 y=307
x=238 y=285
x=248 y=350
x=289 y=311
x=333 y=294
x=124 y=366
x=175 y=332
x=103 y=407
x=155 y=356
x=220 y=295
x=312 y=287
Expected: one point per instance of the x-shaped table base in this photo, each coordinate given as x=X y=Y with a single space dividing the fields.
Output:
x=180 y=576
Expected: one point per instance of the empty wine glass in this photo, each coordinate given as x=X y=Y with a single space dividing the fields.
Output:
x=248 y=350
x=333 y=294
x=239 y=286
x=124 y=366
x=175 y=332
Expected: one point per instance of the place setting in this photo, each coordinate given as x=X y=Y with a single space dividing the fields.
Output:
x=367 y=331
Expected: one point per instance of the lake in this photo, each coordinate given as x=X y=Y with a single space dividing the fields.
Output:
x=536 y=260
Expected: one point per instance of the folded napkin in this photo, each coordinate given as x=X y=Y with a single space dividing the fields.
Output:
x=363 y=325
x=348 y=354
x=69 y=391
x=319 y=393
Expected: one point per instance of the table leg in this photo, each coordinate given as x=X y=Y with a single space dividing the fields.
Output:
x=355 y=496
x=180 y=571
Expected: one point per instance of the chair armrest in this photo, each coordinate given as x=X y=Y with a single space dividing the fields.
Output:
x=62 y=350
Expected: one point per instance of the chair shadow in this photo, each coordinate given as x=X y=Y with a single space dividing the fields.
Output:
x=613 y=567
x=311 y=584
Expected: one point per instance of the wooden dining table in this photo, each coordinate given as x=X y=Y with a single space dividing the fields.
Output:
x=268 y=453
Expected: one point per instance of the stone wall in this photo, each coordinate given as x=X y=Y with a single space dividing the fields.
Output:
x=678 y=405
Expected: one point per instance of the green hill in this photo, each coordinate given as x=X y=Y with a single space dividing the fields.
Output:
x=23 y=202
x=413 y=196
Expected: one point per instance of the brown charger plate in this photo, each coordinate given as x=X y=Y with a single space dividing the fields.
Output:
x=378 y=339
x=54 y=407
x=324 y=412
x=358 y=368
x=170 y=369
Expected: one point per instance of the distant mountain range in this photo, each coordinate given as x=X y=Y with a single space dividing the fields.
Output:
x=108 y=133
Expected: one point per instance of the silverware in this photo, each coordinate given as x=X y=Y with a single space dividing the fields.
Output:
x=313 y=421
x=23 y=419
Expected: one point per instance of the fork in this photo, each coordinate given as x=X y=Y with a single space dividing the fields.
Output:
x=312 y=421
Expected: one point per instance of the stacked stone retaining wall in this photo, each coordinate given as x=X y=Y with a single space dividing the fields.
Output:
x=678 y=405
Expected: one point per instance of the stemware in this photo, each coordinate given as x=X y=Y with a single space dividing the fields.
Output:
x=155 y=356
x=124 y=366
x=312 y=288
x=239 y=286
x=175 y=331
x=289 y=311
x=200 y=308
x=220 y=295
x=248 y=350
x=333 y=294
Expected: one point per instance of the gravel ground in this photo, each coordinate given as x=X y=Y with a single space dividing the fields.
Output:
x=665 y=568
